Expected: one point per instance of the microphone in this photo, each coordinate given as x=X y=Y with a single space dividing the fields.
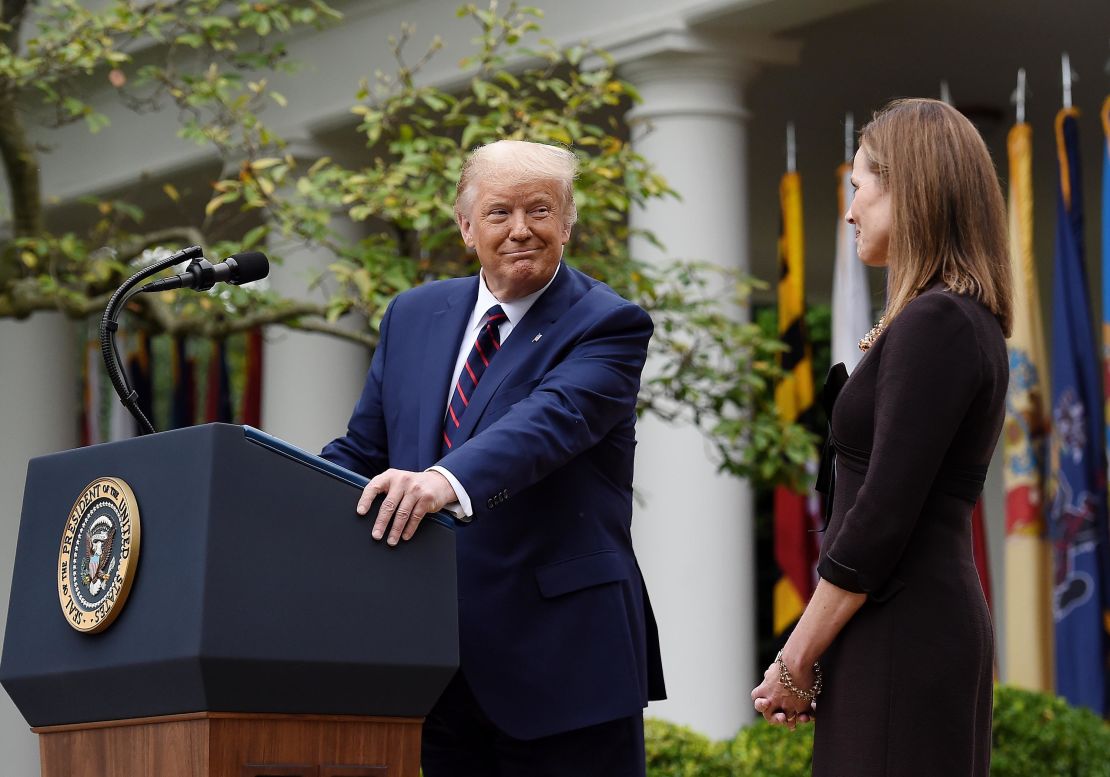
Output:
x=202 y=275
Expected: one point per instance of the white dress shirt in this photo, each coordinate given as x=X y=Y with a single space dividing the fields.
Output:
x=514 y=312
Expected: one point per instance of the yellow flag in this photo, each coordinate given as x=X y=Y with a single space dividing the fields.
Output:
x=794 y=394
x=1028 y=577
x=795 y=513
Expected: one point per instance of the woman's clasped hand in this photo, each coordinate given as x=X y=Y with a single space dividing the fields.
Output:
x=787 y=699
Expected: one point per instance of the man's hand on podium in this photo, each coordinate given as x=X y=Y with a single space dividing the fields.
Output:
x=409 y=496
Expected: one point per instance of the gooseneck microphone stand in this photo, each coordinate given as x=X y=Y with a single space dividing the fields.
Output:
x=108 y=326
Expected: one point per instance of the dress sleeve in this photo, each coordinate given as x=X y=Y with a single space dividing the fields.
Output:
x=929 y=372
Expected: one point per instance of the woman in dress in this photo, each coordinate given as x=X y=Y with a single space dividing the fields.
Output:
x=898 y=620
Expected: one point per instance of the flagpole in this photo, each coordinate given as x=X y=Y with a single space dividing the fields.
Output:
x=791 y=149
x=1066 y=75
x=1019 y=96
x=849 y=136
x=945 y=93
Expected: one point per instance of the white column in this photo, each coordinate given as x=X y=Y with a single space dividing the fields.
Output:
x=695 y=536
x=310 y=381
x=39 y=383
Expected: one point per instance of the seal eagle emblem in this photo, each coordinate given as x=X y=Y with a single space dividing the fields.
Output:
x=98 y=562
x=98 y=555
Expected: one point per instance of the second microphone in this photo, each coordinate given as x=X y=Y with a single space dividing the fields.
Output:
x=202 y=275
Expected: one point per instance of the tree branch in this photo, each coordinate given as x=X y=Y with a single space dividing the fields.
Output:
x=132 y=247
x=12 y=15
x=302 y=316
x=367 y=338
x=25 y=299
x=18 y=153
x=22 y=298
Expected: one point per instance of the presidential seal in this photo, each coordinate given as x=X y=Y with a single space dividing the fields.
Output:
x=99 y=554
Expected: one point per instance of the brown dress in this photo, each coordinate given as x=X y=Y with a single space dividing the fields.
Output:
x=908 y=680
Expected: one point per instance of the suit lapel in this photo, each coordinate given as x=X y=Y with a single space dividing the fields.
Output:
x=434 y=364
x=515 y=351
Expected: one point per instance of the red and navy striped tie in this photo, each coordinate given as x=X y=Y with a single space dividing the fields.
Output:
x=486 y=346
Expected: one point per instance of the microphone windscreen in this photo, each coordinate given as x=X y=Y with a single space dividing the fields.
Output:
x=252 y=266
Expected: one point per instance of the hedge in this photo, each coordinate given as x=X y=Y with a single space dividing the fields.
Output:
x=1034 y=735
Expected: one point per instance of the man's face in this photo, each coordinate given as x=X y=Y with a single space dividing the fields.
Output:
x=518 y=232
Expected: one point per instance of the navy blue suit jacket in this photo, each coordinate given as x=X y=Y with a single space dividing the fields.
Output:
x=555 y=628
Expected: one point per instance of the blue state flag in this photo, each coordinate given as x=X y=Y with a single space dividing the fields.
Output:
x=1078 y=514
x=1106 y=271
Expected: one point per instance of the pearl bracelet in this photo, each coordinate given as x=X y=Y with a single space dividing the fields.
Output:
x=787 y=681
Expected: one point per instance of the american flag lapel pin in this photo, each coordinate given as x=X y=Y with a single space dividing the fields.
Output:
x=536 y=339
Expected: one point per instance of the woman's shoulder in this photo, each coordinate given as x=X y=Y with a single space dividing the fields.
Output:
x=942 y=325
x=939 y=298
x=940 y=333
x=944 y=313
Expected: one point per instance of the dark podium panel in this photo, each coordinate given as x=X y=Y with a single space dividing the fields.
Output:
x=258 y=590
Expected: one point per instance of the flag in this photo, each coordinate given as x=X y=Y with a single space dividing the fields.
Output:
x=218 y=397
x=1105 y=538
x=1077 y=513
x=184 y=390
x=252 y=389
x=1027 y=564
x=979 y=550
x=796 y=513
x=1106 y=268
x=851 y=298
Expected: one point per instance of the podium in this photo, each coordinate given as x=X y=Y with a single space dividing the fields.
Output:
x=265 y=632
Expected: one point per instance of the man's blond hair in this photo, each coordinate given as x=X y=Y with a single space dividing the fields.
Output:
x=515 y=162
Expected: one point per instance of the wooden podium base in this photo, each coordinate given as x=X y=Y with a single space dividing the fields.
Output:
x=225 y=744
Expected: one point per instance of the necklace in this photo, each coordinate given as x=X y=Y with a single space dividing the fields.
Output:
x=870 y=338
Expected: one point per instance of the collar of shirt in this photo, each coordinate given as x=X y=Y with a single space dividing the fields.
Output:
x=514 y=311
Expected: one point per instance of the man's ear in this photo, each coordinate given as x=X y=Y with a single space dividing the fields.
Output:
x=465 y=229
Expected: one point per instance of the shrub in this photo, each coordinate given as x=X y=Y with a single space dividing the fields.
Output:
x=763 y=750
x=1035 y=735
x=1039 y=735
x=677 y=751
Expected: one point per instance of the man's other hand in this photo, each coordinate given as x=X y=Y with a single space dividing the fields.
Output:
x=409 y=496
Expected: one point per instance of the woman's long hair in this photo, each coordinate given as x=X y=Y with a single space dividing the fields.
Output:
x=948 y=217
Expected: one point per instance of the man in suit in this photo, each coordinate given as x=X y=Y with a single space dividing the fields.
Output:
x=509 y=399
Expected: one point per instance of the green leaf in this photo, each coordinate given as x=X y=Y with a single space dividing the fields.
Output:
x=434 y=102
x=219 y=201
x=190 y=39
x=215 y=22
x=96 y=121
x=75 y=107
x=254 y=236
